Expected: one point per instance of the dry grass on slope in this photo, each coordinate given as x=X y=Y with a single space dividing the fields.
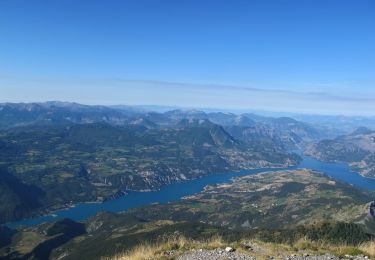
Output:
x=368 y=248
x=160 y=250
x=174 y=246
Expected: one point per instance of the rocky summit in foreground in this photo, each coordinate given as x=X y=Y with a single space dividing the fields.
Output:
x=219 y=254
x=217 y=250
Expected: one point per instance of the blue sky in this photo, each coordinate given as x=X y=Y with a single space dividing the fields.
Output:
x=315 y=56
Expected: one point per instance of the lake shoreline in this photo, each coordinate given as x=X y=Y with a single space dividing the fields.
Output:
x=179 y=190
x=53 y=213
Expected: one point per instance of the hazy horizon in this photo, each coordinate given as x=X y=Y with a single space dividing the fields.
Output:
x=165 y=108
x=310 y=57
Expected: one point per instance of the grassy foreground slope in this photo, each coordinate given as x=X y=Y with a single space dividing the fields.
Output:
x=214 y=248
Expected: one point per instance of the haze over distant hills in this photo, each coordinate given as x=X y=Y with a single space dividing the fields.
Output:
x=344 y=123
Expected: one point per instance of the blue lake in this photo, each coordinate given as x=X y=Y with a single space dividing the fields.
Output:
x=176 y=191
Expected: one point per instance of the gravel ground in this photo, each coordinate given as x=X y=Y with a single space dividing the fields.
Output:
x=220 y=254
x=217 y=254
x=324 y=257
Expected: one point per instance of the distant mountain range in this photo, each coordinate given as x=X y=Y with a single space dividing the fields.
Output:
x=294 y=132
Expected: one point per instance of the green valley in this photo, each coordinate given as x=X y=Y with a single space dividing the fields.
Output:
x=70 y=163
